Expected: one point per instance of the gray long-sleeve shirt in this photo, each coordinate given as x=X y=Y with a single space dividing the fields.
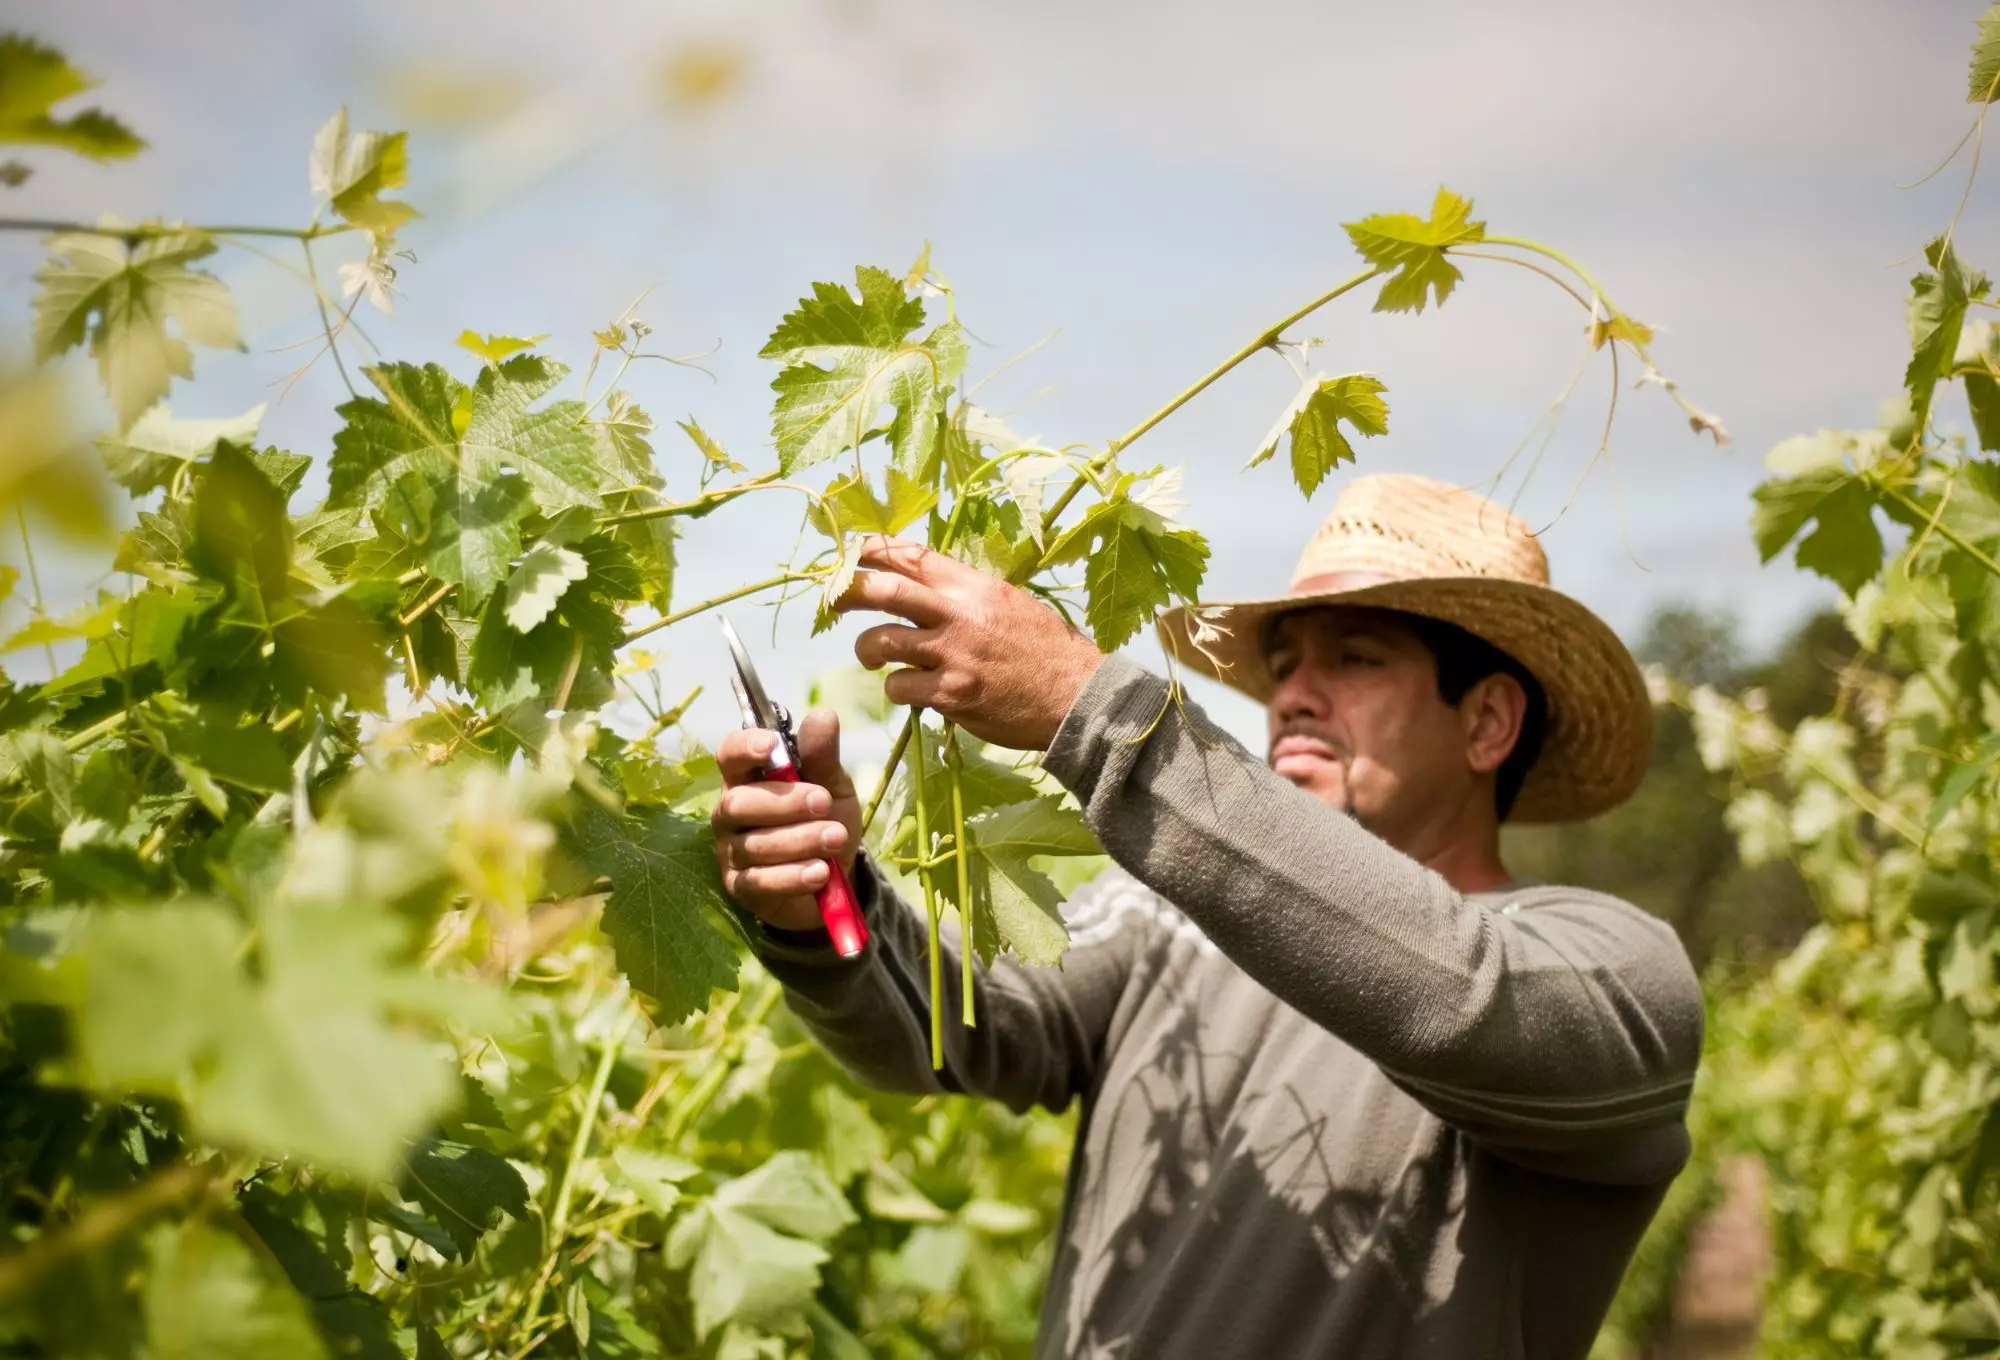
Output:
x=1331 y=1106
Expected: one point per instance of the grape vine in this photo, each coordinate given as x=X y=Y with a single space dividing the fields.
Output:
x=363 y=992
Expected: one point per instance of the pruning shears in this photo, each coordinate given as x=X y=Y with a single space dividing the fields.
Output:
x=838 y=908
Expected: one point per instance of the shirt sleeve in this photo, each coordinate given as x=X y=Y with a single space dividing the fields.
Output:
x=1559 y=1027
x=1040 y=1037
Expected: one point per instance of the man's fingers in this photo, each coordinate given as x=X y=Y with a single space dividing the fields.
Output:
x=896 y=642
x=787 y=844
x=894 y=594
x=743 y=752
x=913 y=688
x=750 y=807
x=769 y=882
x=912 y=559
x=819 y=753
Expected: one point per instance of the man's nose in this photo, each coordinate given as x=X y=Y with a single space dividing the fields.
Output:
x=1297 y=697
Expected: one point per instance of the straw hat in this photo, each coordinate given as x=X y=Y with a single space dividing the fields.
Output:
x=1424 y=547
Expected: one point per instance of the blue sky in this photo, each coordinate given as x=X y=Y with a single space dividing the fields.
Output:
x=1151 y=184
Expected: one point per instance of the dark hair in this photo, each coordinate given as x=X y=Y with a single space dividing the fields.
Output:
x=1463 y=660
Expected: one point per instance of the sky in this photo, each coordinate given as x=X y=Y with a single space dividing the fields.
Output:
x=1131 y=192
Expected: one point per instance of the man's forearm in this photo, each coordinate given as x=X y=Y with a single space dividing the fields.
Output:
x=1037 y=1027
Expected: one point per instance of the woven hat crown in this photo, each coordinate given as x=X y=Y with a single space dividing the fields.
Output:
x=1403 y=527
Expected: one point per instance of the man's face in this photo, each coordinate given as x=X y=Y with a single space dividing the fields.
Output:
x=1357 y=720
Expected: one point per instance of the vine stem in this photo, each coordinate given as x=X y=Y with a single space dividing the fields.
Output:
x=925 y=877
x=705 y=501
x=148 y=231
x=76 y=741
x=1264 y=339
x=105 y=1221
x=1943 y=530
x=724 y=598
x=586 y=1124
x=961 y=852
x=325 y=317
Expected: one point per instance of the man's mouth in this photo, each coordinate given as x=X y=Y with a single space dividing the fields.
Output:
x=1300 y=754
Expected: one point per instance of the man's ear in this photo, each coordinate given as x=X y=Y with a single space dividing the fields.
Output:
x=1492 y=712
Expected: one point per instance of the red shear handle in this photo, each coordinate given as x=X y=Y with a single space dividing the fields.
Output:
x=839 y=911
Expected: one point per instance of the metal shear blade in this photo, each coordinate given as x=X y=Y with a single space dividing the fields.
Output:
x=750 y=696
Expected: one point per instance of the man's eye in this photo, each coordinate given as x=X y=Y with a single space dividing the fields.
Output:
x=1350 y=657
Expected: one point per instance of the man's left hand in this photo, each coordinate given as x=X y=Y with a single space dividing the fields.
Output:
x=984 y=654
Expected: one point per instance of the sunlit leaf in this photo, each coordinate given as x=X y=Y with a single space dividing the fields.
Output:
x=494 y=348
x=157 y=446
x=352 y=174
x=120 y=299
x=1983 y=81
x=1313 y=421
x=1413 y=249
x=539 y=581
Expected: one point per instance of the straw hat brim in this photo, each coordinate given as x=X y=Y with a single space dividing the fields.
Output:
x=1599 y=737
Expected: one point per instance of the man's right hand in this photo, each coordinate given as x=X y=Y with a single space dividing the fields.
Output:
x=772 y=840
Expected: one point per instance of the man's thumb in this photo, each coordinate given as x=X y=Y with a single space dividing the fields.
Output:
x=819 y=752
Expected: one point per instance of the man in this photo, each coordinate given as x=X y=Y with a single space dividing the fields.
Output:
x=1348 y=1088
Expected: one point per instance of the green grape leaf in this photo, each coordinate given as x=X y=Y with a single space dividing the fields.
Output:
x=650 y=543
x=207 y=1297
x=352 y=174
x=753 y=1248
x=464 y=1190
x=844 y=357
x=120 y=299
x=993 y=536
x=241 y=537
x=149 y=632
x=494 y=348
x=458 y=469
x=663 y=873
x=35 y=78
x=835 y=583
x=1040 y=826
x=1132 y=572
x=89 y=621
x=146 y=456
x=539 y=581
x=1978 y=363
x=1983 y=80
x=1313 y=421
x=624 y=449
x=1016 y=907
x=1936 y=315
x=1845 y=546
x=248 y=755
x=1414 y=251
x=856 y=509
x=712 y=451
x=1136 y=556
x=878 y=314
